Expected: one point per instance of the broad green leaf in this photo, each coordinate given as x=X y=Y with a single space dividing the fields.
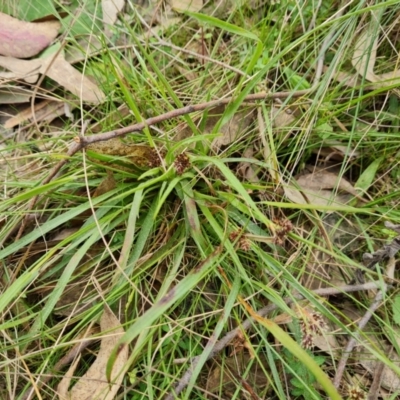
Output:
x=369 y=175
x=396 y=310
x=296 y=81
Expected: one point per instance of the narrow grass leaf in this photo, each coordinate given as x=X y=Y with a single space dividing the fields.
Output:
x=130 y=230
x=169 y=300
x=192 y=139
x=62 y=283
x=192 y=217
x=235 y=184
x=282 y=337
x=164 y=81
x=164 y=193
x=220 y=326
x=36 y=191
x=226 y=26
x=222 y=236
x=145 y=231
x=231 y=109
x=396 y=310
x=162 y=252
x=52 y=224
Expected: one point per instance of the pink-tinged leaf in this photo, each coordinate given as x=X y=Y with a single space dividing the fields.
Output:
x=23 y=39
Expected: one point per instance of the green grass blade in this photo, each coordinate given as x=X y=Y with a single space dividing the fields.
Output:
x=226 y=26
x=171 y=299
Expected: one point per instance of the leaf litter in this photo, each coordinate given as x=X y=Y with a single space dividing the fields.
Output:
x=94 y=384
x=21 y=39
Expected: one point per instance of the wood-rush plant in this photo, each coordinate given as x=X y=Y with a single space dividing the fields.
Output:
x=169 y=207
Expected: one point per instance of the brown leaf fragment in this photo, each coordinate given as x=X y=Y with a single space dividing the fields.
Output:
x=23 y=39
x=326 y=180
x=246 y=169
x=93 y=384
x=106 y=185
x=186 y=5
x=348 y=79
x=282 y=117
x=63 y=386
x=111 y=8
x=389 y=379
x=321 y=188
x=139 y=155
x=21 y=69
x=46 y=110
x=13 y=95
x=364 y=58
x=57 y=69
x=69 y=77
x=234 y=129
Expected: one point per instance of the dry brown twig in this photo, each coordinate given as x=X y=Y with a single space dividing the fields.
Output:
x=81 y=142
x=387 y=252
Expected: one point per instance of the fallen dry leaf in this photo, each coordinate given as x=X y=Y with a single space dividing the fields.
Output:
x=225 y=378
x=186 y=5
x=57 y=69
x=23 y=39
x=326 y=180
x=390 y=379
x=13 y=94
x=364 y=55
x=320 y=188
x=364 y=58
x=106 y=185
x=111 y=8
x=46 y=110
x=232 y=130
x=139 y=155
x=335 y=151
x=70 y=78
x=246 y=169
x=282 y=117
x=20 y=69
x=93 y=384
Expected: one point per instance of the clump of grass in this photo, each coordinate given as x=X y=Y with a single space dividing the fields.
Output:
x=188 y=250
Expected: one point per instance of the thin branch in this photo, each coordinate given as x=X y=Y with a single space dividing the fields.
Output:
x=184 y=111
x=387 y=251
x=353 y=341
x=81 y=142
